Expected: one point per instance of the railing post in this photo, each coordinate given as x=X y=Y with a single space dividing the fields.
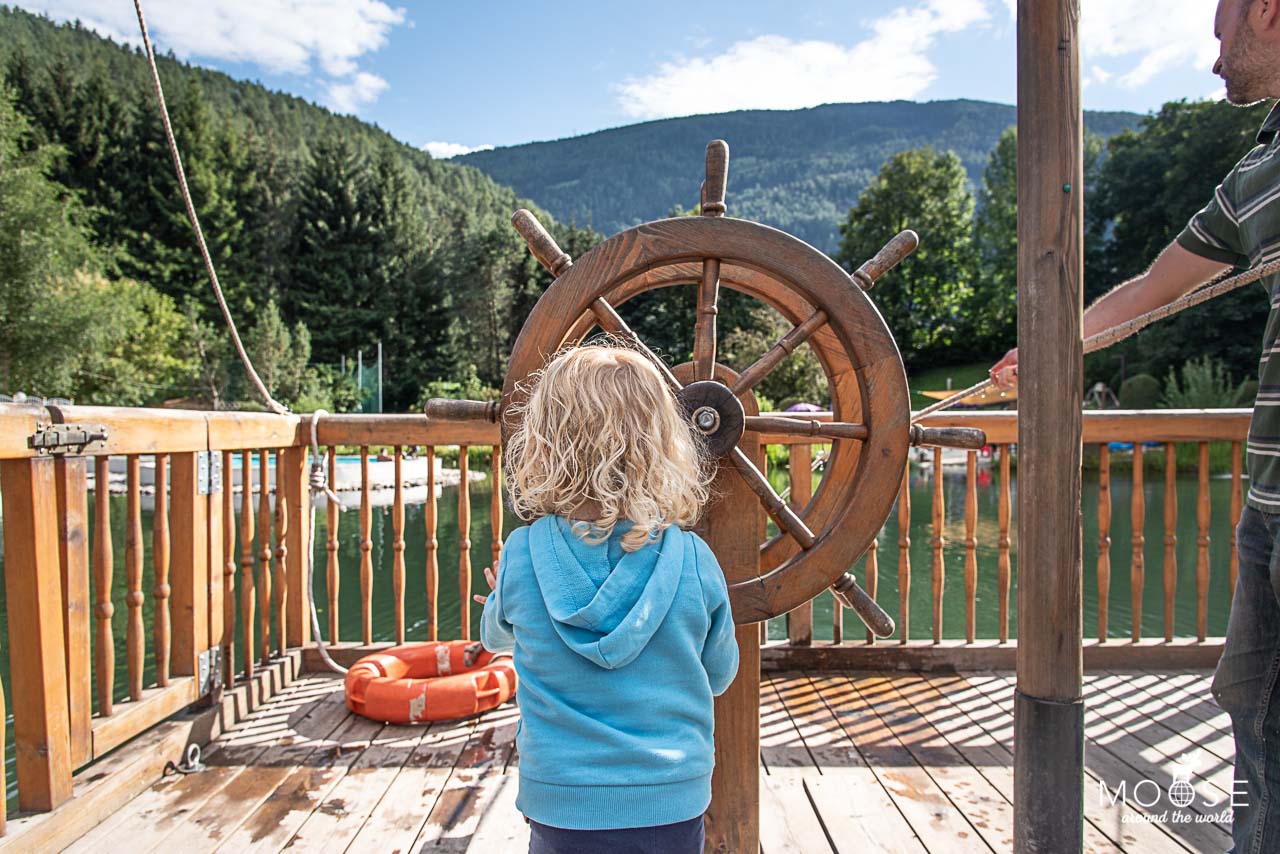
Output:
x=189 y=568
x=71 y=474
x=294 y=465
x=38 y=666
x=800 y=619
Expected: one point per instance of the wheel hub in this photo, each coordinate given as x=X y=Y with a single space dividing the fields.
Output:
x=716 y=414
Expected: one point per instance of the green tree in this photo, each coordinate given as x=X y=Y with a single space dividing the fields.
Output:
x=279 y=355
x=923 y=299
x=43 y=242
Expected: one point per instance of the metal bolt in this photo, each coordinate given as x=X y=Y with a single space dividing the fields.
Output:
x=706 y=418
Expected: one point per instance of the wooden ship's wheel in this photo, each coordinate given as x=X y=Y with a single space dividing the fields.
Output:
x=870 y=430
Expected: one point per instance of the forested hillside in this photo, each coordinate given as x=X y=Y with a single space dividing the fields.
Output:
x=798 y=170
x=329 y=235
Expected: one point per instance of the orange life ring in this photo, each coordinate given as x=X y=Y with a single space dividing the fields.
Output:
x=437 y=681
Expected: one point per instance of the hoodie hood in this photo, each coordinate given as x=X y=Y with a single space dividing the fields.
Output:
x=608 y=622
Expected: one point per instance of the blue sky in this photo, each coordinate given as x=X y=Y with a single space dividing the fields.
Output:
x=453 y=76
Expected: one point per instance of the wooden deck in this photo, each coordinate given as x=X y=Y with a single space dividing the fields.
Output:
x=858 y=762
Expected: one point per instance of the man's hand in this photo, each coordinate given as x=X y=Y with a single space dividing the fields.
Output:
x=1004 y=373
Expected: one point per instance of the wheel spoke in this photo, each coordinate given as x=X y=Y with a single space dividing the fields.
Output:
x=777 y=509
x=761 y=367
x=805 y=427
x=610 y=321
x=704 y=329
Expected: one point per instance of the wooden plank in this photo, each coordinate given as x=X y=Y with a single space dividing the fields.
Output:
x=904 y=557
x=262 y=807
x=986 y=808
x=788 y=822
x=984 y=726
x=1203 y=512
x=234 y=431
x=1137 y=560
x=133 y=597
x=800 y=478
x=366 y=550
x=172 y=799
x=456 y=814
x=247 y=554
x=18 y=422
x=103 y=789
x=190 y=566
x=400 y=816
x=501 y=826
x=432 y=546
x=332 y=510
x=1120 y=761
x=1112 y=425
x=71 y=479
x=1192 y=693
x=227 y=521
x=1143 y=692
x=152 y=706
x=1170 y=564
x=856 y=811
x=218 y=544
x=37 y=660
x=939 y=567
x=264 y=556
x=345 y=807
x=405 y=430
x=971 y=546
x=1104 y=540
x=931 y=814
x=464 y=545
x=133 y=430
x=280 y=581
x=397 y=546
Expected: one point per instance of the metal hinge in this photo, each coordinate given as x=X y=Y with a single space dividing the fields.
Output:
x=208 y=472
x=67 y=438
x=210 y=676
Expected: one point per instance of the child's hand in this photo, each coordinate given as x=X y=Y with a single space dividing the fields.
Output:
x=488 y=576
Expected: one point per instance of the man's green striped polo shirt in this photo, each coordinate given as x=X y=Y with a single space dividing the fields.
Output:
x=1241 y=226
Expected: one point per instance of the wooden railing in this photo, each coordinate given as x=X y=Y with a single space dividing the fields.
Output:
x=1168 y=428
x=227 y=593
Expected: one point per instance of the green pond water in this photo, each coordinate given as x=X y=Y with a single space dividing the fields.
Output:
x=449 y=613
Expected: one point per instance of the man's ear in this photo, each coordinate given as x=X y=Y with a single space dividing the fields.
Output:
x=1265 y=14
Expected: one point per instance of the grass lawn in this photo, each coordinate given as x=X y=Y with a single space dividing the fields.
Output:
x=935 y=379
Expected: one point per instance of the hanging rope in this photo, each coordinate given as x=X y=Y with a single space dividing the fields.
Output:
x=272 y=404
x=1121 y=331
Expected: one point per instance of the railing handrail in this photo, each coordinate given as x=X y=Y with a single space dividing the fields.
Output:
x=145 y=431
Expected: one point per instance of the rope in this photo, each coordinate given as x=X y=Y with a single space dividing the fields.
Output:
x=1121 y=331
x=319 y=486
x=272 y=404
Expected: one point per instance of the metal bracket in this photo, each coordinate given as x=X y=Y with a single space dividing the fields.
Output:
x=208 y=472
x=210 y=675
x=67 y=438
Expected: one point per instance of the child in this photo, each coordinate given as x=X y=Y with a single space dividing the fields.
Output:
x=619 y=619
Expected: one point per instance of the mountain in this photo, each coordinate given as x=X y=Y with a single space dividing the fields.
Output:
x=798 y=170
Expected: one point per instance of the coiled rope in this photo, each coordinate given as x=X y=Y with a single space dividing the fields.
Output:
x=272 y=404
x=1121 y=331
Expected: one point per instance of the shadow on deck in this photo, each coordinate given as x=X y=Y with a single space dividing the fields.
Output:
x=849 y=762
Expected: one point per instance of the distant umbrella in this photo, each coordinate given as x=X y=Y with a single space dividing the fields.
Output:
x=804 y=407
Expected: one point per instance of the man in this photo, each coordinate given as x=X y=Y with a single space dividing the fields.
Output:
x=1239 y=227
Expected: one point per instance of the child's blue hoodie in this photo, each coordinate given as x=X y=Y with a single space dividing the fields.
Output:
x=619 y=655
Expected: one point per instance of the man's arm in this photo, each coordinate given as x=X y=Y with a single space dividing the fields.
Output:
x=1175 y=272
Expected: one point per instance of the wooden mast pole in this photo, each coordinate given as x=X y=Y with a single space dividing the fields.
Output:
x=1048 y=705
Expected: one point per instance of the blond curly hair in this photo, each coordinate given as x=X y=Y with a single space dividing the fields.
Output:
x=599 y=428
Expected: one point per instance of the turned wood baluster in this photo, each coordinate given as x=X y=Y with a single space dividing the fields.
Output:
x=103 y=565
x=331 y=514
x=1170 y=535
x=160 y=551
x=1138 y=511
x=800 y=620
x=228 y=572
x=433 y=546
x=971 y=547
x=1104 y=539
x=904 y=556
x=366 y=550
x=872 y=582
x=495 y=506
x=1202 y=544
x=1237 y=503
x=282 y=554
x=247 y=601
x=939 y=542
x=397 y=546
x=1004 y=566
x=264 y=555
x=133 y=578
x=464 y=546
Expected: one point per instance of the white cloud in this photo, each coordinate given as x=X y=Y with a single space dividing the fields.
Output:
x=349 y=96
x=1144 y=41
x=775 y=72
x=443 y=150
x=317 y=38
